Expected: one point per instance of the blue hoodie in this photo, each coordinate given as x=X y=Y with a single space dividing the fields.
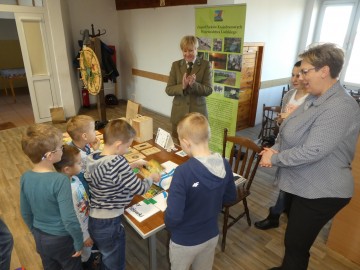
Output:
x=196 y=196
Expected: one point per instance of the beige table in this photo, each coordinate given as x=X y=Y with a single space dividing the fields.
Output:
x=10 y=75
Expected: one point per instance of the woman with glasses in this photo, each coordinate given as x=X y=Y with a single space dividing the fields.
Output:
x=314 y=151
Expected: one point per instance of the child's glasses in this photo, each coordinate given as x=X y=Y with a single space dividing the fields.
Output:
x=61 y=148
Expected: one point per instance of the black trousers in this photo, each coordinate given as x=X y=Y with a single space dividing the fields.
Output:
x=307 y=217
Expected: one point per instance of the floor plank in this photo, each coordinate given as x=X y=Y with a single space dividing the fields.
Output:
x=247 y=248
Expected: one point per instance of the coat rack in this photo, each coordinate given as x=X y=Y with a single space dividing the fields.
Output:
x=98 y=34
x=100 y=96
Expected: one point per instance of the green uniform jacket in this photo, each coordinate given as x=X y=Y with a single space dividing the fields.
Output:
x=194 y=100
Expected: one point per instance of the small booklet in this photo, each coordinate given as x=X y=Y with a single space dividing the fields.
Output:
x=152 y=166
x=153 y=191
x=142 y=210
x=148 y=207
x=167 y=174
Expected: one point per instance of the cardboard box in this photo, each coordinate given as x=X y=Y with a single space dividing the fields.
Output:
x=143 y=126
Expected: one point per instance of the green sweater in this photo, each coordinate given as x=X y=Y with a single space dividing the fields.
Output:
x=46 y=204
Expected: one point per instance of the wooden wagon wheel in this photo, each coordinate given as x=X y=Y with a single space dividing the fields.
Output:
x=90 y=71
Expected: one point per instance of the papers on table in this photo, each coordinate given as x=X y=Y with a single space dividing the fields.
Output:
x=148 y=207
x=166 y=175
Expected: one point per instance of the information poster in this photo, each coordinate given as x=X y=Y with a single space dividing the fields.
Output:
x=220 y=32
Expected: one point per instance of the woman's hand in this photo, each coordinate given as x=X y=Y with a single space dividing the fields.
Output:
x=192 y=79
x=185 y=81
x=266 y=157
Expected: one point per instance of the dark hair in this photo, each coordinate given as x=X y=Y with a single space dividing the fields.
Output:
x=67 y=158
x=298 y=64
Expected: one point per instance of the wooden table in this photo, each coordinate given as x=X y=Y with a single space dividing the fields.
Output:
x=10 y=75
x=149 y=227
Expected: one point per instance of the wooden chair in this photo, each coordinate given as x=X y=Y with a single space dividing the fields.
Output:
x=284 y=91
x=244 y=160
x=269 y=126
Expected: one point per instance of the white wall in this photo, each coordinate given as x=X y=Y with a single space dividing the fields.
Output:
x=148 y=39
x=103 y=15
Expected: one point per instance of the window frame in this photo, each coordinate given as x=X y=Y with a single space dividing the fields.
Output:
x=350 y=33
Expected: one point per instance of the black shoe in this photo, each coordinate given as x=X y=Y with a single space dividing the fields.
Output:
x=267 y=224
x=275 y=268
x=272 y=221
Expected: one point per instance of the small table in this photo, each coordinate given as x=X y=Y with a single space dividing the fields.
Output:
x=10 y=75
x=149 y=227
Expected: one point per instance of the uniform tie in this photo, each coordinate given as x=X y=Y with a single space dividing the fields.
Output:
x=188 y=71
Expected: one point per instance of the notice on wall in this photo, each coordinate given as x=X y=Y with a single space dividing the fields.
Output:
x=220 y=32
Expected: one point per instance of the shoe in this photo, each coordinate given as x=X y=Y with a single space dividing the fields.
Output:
x=272 y=221
x=276 y=268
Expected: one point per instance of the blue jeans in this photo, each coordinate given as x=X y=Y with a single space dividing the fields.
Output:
x=6 y=246
x=56 y=251
x=109 y=236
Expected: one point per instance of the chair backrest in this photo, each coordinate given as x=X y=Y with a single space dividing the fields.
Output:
x=269 y=126
x=244 y=156
x=284 y=91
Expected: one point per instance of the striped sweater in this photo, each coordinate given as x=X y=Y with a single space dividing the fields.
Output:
x=112 y=184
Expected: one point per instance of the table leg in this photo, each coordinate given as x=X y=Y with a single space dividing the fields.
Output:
x=152 y=252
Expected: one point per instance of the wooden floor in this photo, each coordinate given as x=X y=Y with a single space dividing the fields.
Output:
x=247 y=248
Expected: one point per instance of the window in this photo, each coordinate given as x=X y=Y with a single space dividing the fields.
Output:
x=338 y=22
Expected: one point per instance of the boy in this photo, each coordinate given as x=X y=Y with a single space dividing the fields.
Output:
x=112 y=185
x=81 y=129
x=198 y=190
x=70 y=165
x=46 y=201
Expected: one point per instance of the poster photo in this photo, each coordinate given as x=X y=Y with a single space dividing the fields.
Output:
x=220 y=32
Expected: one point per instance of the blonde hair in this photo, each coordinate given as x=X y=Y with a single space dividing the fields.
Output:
x=194 y=126
x=78 y=125
x=189 y=41
x=118 y=130
x=40 y=139
x=67 y=158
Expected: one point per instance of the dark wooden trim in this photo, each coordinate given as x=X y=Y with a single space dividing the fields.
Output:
x=135 y=4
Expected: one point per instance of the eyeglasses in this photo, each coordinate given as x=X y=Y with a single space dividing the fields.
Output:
x=304 y=72
x=53 y=151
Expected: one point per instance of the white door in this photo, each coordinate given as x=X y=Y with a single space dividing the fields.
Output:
x=37 y=62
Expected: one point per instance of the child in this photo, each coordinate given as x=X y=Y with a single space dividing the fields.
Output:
x=46 y=201
x=198 y=190
x=81 y=129
x=113 y=185
x=70 y=164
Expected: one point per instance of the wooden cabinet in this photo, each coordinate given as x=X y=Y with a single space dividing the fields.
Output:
x=250 y=84
x=344 y=235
